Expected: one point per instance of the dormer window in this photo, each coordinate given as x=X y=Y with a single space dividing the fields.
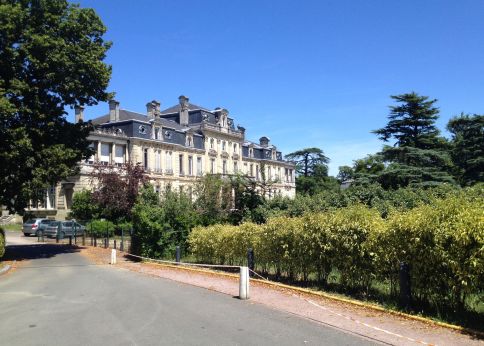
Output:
x=251 y=152
x=189 y=141
x=157 y=133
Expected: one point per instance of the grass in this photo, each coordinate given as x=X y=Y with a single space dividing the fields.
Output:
x=12 y=227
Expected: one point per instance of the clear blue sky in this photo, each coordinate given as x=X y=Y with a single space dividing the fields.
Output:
x=304 y=73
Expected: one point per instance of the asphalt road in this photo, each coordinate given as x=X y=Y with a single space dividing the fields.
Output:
x=59 y=298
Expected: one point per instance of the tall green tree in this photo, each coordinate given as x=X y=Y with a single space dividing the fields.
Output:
x=468 y=147
x=312 y=171
x=309 y=161
x=51 y=57
x=420 y=155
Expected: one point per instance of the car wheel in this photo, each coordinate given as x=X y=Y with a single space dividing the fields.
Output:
x=26 y=234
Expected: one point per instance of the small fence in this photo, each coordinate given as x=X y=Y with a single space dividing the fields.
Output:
x=119 y=240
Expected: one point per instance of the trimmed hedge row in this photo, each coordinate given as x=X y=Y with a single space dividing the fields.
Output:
x=443 y=242
x=2 y=242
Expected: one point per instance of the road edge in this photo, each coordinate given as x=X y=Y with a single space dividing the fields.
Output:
x=332 y=297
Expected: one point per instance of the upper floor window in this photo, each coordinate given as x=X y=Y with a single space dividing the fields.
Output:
x=199 y=166
x=169 y=162
x=145 y=159
x=235 y=148
x=180 y=161
x=223 y=145
x=189 y=141
x=190 y=165
x=105 y=153
x=212 y=142
x=251 y=152
x=119 y=154
x=212 y=166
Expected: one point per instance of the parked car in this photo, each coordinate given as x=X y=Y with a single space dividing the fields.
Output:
x=66 y=228
x=35 y=226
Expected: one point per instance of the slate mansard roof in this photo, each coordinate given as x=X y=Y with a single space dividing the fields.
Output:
x=138 y=125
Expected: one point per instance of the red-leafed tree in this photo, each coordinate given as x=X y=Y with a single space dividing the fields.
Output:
x=117 y=189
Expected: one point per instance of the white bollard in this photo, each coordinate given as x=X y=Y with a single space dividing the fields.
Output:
x=244 y=283
x=113 y=256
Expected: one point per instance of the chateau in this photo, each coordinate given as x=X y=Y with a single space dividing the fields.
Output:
x=176 y=146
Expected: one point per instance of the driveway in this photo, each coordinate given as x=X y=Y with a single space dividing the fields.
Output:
x=56 y=296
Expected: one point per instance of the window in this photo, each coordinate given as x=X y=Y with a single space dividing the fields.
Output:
x=105 y=153
x=91 y=158
x=257 y=172
x=236 y=167
x=211 y=143
x=169 y=162
x=235 y=148
x=278 y=173
x=157 y=189
x=224 y=167
x=157 y=133
x=190 y=165
x=223 y=145
x=145 y=159
x=180 y=163
x=212 y=166
x=246 y=170
x=251 y=152
x=158 y=161
x=119 y=155
x=251 y=170
x=199 y=166
x=189 y=141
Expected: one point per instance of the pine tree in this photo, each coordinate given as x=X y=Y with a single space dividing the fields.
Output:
x=420 y=155
x=468 y=147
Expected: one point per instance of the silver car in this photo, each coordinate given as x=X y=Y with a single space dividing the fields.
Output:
x=66 y=228
x=35 y=226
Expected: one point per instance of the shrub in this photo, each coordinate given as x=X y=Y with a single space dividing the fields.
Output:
x=100 y=228
x=2 y=242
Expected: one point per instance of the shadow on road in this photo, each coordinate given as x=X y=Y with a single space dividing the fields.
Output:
x=35 y=251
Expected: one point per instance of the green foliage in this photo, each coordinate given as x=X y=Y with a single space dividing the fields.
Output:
x=51 y=58
x=160 y=225
x=467 y=147
x=442 y=240
x=312 y=170
x=2 y=242
x=83 y=207
x=101 y=228
x=420 y=156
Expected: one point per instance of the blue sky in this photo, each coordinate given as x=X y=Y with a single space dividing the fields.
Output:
x=304 y=73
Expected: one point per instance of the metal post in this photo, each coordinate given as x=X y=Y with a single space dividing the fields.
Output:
x=70 y=240
x=84 y=238
x=43 y=240
x=405 y=289
x=121 y=246
x=250 y=260
x=244 y=283
x=95 y=241
x=38 y=236
x=114 y=244
x=178 y=254
x=57 y=237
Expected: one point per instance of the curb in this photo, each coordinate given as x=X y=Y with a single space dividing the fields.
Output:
x=5 y=269
x=332 y=297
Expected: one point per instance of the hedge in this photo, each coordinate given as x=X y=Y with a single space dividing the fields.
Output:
x=442 y=241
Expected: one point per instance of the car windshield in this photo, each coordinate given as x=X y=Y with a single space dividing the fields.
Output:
x=46 y=221
x=30 y=221
x=54 y=223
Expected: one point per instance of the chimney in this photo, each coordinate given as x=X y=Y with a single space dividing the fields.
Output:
x=79 y=111
x=113 y=110
x=264 y=141
x=153 y=109
x=183 y=110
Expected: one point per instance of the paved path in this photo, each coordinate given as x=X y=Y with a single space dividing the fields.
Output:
x=57 y=297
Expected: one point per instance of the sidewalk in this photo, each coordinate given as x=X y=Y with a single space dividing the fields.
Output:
x=377 y=325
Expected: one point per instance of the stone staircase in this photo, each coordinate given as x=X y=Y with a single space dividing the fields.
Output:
x=5 y=219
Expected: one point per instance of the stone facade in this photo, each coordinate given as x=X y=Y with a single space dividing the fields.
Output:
x=176 y=147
